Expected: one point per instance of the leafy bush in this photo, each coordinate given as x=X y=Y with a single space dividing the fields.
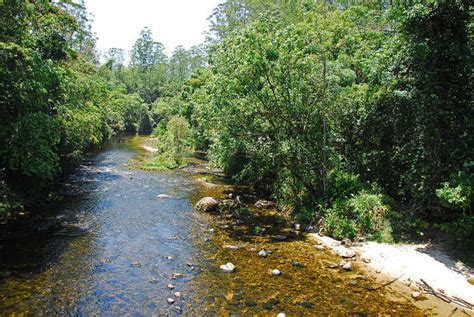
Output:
x=364 y=214
x=172 y=144
x=458 y=193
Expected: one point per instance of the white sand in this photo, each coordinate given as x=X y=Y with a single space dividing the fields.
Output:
x=413 y=263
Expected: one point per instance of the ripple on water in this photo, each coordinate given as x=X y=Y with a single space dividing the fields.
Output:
x=132 y=245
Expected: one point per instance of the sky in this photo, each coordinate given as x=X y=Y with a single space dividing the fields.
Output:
x=117 y=23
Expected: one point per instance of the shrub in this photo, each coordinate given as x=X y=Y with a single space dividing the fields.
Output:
x=172 y=144
x=364 y=214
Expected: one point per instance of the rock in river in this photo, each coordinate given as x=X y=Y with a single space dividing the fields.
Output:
x=170 y=300
x=231 y=247
x=347 y=266
x=262 y=253
x=344 y=252
x=276 y=272
x=227 y=268
x=263 y=204
x=207 y=204
x=470 y=279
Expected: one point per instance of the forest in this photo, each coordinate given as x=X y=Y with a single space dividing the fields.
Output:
x=354 y=117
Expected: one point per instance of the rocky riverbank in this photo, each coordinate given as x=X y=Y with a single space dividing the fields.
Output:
x=406 y=272
x=427 y=271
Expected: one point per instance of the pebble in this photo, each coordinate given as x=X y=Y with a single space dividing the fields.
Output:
x=305 y=304
x=136 y=264
x=169 y=257
x=163 y=196
x=227 y=268
x=319 y=247
x=415 y=295
x=176 y=275
x=170 y=286
x=296 y=264
x=281 y=315
x=366 y=259
x=347 y=266
x=262 y=253
x=231 y=247
x=280 y=237
x=276 y=272
x=177 y=294
x=345 y=252
x=170 y=300
x=470 y=279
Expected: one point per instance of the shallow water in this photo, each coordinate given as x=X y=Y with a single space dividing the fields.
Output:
x=115 y=246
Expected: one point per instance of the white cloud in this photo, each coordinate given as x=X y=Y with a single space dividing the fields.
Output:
x=117 y=23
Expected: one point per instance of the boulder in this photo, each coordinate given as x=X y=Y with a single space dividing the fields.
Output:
x=207 y=204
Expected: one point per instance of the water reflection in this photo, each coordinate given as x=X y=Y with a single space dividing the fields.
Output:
x=112 y=246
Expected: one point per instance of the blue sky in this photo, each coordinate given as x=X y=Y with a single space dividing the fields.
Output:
x=117 y=23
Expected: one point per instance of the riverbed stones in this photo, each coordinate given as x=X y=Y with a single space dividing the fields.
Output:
x=264 y=204
x=207 y=204
x=416 y=295
x=136 y=264
x=347 y=266
x=176 y=275
x=262 y=253
x=170 y=300
x=227 y=268
x=177 y=294
x=319 y=247
x=276 y=272
x=366 y=259
x=280 y=237
x=170 y=286
x=344 y=252
x=470 y=279
x=231 y=247
x=281 y=315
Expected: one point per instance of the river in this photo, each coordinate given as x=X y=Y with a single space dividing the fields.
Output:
x=116 y=245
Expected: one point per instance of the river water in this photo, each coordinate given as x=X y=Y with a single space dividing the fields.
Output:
x=115 y=246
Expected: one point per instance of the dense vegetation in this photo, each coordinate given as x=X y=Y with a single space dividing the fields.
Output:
x=58 y=102
x=357 y=117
